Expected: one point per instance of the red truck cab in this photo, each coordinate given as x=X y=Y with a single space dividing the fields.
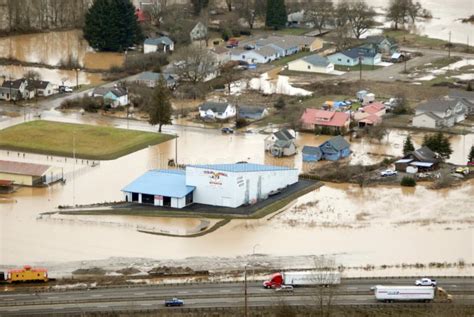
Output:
x=232 y=42
x=276 y=280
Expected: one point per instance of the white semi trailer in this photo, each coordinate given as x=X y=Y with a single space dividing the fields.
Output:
x=304 y=278
x=411 y=293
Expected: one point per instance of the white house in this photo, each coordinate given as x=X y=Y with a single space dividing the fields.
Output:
x=439 y=113
x=281 y=143
x=312 y=64
x=217 y=110
x=14 y=90
x=261 y=55
x=159 y=44
x=225 y=185
x=199 y=32
x=115 y=96
x=42 y=88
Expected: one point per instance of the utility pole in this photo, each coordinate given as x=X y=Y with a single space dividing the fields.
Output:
x=245 y=292
x=74 y=169
x=360 y=67
x=449 y=45
x=176 y=150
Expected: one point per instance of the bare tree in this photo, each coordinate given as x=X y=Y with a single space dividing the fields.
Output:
x=319 y=12
x=32 y=75
x=251 y=10
x=361 y=17
x=229 y=5
x=327 y=277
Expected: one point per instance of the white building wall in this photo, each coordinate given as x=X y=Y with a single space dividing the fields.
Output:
x=147 y=48
x=303 y=66
x=229 y=189
x=424 y=121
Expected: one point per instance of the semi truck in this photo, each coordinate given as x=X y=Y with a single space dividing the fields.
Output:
x=304 y=278
x=391 y=294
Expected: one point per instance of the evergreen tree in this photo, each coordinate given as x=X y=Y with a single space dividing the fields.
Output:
x=276 y=14
x=471 y=155
x=111 y=25
x=199 y=5
x=408 y=146
x=438 y=143
x=159 y=108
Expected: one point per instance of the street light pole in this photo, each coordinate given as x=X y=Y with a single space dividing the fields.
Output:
x=245 y=292
x=74 y=169
x=77 y=78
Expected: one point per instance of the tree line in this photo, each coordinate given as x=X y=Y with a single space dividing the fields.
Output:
x=36 y=15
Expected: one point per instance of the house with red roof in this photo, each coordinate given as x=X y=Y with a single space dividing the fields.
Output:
x=370 y=115
x=376 y=108
x=319 y=120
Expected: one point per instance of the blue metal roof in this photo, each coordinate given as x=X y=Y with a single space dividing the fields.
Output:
x=311 y=150
x=169 y=183
x=243 y=167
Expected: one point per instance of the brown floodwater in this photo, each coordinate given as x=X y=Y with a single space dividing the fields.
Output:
x=26 y=239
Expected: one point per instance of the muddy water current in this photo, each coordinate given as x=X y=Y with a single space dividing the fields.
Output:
x=331 y=226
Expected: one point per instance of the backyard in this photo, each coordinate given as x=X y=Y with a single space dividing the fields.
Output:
x=89 y=142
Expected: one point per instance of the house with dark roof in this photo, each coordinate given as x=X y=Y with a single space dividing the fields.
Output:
x=311 y=153
x=422 y=159
x=14 y=89
x=335 y=148
x=312 y=64
x=351 y=57
x=159 y=44
x=251 y=112
x=217 y=110
x=438 y=113
x=41 y=87
x=150 y=79
x=383 y=45
x=281 y=143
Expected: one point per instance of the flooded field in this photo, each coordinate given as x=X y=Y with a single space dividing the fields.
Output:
x=392 y=233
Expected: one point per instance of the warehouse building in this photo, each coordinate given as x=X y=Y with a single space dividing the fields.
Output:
x=226 y=185
x=28 y=174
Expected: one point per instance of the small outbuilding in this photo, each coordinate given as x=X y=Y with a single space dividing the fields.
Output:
x=312 y=153
x=28 y=174
x=160 y=44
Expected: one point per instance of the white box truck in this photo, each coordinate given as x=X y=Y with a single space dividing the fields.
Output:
x=304 y=278
x=390 y=294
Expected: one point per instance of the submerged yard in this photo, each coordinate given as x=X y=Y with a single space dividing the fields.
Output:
x=90 y=142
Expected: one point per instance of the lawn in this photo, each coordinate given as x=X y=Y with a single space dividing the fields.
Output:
x=292 y=31
x=404 y=38
x=356 y=68
x=91 y=142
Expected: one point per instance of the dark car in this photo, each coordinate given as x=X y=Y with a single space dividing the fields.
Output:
x=174 y=302
x=227 y=130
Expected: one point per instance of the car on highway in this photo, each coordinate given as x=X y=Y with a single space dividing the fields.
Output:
x=425 y=282
x=284 y=288
x=174 y=302
x=388 y=173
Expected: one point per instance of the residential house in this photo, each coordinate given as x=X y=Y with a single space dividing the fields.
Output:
x=369 y=120
x=466 y=96
x=251 y=112
x=42 y=88
x=14 y=89
x=160 y=44
x=261 y=55
x=335 y=148
x=150 y=79
x=370 y=115
x=382 y=44
x=281 y=143
x=221 y=54
x=440 y=113
x=335 y=121
x=312 y=64
x=217 y=110
x=283 y=134
x=199 y=32
x=312 y=153
x=351 y=57
x=419 y=160
x=114 y=96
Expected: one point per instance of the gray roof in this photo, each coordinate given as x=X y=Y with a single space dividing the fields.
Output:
x=159 y=40
x=117 y=91
x=283 y=143
x=437 y=105
x=15 y=84
x=359 y=51
x=463 y=94
x=214 y=106
x=284 y=134
x=266 y=51
x=39 y=84
x=424 y=154
x=429 y=114
x=312 y=150
x=338 y=143
x=316 y=60
x=251 y=109
x=154 y=76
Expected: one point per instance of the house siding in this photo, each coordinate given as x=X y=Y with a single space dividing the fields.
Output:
x=303 y=66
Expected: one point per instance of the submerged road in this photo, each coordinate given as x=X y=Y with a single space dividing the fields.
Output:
x=350 y=292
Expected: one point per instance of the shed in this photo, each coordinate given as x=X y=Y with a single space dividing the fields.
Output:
x=312 y=153
x=28 y=174
x=401 y=165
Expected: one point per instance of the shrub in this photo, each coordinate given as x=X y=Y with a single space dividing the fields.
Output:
x=408 y=181
x=241 y=122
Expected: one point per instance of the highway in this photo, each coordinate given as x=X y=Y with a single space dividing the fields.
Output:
x=206 y=295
